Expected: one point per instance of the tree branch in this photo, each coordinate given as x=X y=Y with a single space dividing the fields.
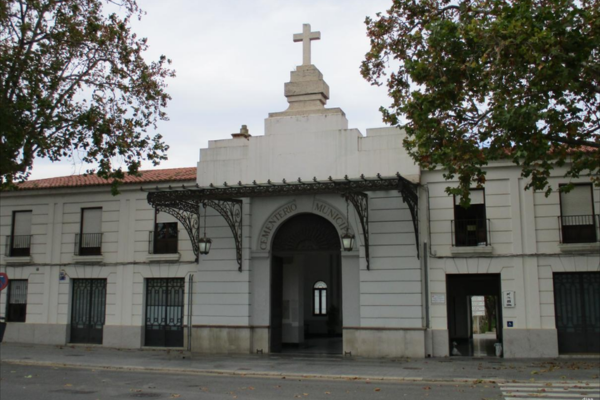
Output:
x=574 y=142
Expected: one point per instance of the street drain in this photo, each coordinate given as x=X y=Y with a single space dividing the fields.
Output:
x=145 y=395
x=412 y=368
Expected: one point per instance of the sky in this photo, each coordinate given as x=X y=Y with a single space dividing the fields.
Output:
x=232 y=58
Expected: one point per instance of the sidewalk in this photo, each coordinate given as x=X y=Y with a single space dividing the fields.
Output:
x=304 y=366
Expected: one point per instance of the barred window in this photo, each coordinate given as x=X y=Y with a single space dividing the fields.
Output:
x=577 y=218
x=16 y=305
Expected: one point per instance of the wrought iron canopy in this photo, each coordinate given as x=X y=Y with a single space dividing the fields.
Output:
x=184 y=202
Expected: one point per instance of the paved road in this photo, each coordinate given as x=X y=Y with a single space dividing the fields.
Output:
x=22 y=382
x=450 y=369
x=50 y=383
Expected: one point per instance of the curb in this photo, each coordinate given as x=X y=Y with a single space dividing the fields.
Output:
x=272 y=375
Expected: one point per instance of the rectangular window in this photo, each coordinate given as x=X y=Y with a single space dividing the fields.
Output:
x=470 y=224
x=16 y=301
x=90 y=240
x=165 y=234
x=317 y=303
x=19 y=243
x=577 y=220
x=320 y=298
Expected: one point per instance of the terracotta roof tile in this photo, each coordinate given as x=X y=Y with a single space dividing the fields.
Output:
x=148 y=176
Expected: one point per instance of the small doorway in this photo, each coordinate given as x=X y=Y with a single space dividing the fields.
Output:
x=306 y=295
x=88 y=310
x=164 y=312
x=474 y=314
x=577 y=309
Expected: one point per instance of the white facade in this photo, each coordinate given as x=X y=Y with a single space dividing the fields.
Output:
x=125 y=261
x=525 y=249
x=399 y=306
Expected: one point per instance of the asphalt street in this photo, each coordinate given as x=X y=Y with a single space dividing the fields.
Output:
x=20 y=382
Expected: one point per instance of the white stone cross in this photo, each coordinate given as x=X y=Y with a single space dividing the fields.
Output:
x=305 y=37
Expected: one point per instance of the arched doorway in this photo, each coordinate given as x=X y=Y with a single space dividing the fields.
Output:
x=306 y=287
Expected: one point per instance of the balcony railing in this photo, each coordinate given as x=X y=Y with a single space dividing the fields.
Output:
x=471 y=232
x=579 y=228
x=158 y=244
x=88 y=244
x=18 y=246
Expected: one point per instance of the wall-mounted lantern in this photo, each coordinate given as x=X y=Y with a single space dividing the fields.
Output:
x=347 y=237
x=204 y=243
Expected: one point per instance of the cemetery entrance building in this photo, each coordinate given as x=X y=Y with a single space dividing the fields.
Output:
x=305 y=235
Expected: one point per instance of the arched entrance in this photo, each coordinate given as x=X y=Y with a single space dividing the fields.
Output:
x=306 y=287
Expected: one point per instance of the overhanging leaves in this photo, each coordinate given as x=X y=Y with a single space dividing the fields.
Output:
x=479 y=81
x=73 y=82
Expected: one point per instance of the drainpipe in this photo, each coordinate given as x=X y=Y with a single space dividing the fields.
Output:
x=189 y=321
x=426 y=278
x=428 y=332
x=426 y=254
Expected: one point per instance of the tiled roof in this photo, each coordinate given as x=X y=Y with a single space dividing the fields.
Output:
x=148 y=176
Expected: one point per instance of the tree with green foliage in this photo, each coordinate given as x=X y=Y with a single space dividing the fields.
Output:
x=74 y=83
x=475 y=81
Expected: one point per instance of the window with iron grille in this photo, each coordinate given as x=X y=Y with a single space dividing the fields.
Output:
x=89 y=241
x=470 y=224
x=578 y=223
x=16 y=304
x=165 y=235
x=19 y=242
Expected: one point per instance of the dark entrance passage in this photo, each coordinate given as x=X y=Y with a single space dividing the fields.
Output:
x=88 y=310
x=306 y=282
x=474 y=314
x=164 y=312
x=577 y=308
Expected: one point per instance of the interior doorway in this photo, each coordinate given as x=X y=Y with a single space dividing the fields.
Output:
x=306 y=287
x=474 y=314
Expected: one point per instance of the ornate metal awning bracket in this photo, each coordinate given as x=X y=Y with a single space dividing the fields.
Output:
x=360 y=201
x=231 y=210
x=188 y=213
x=184 y=204
x=410 y=196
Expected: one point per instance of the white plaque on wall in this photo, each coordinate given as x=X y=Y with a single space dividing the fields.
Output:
x=438 y=298
x=509 y=299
